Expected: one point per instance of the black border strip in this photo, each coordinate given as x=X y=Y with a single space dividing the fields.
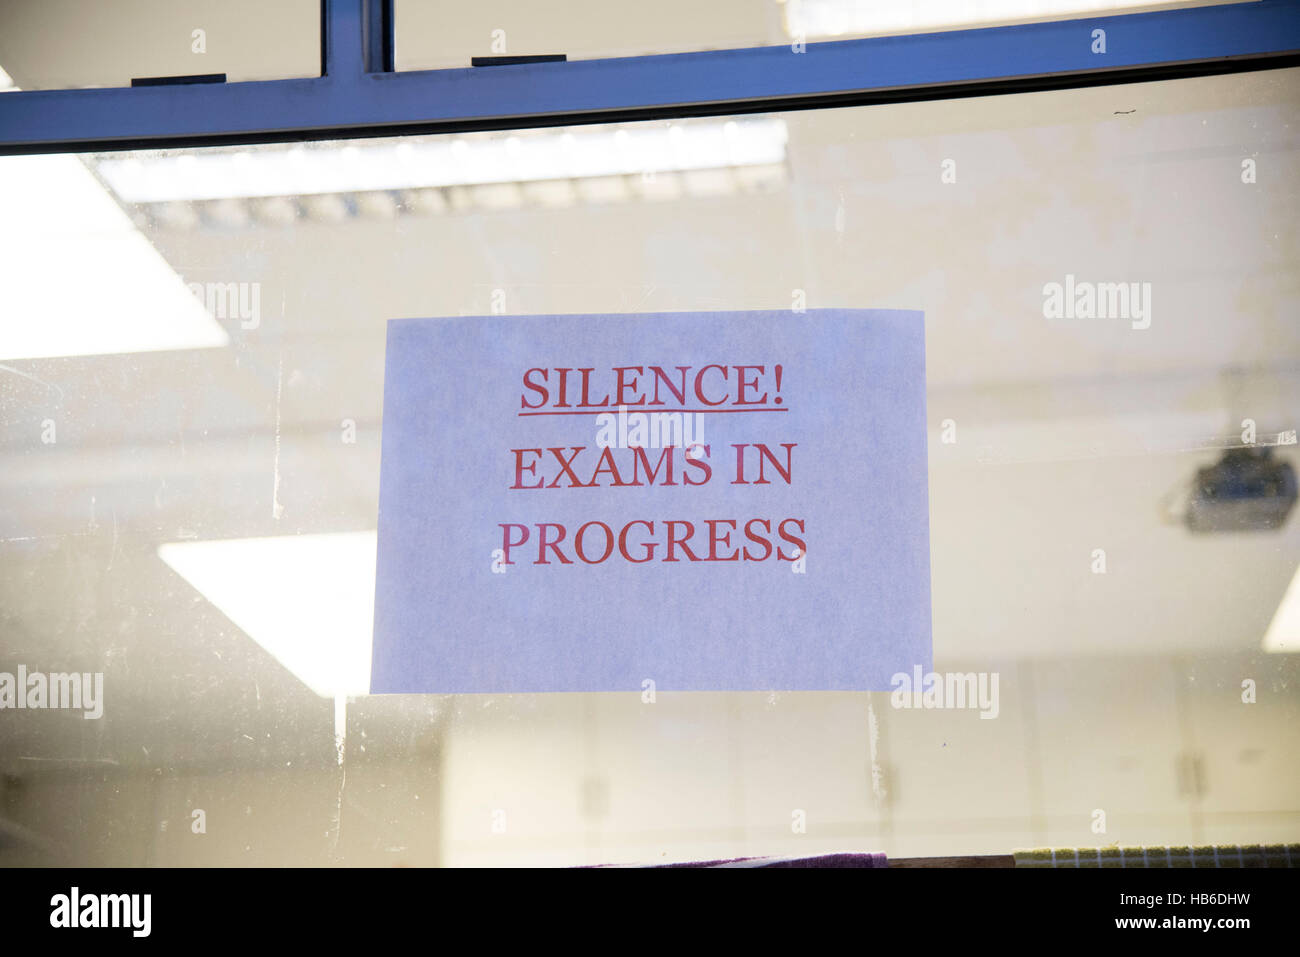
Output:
x=178 y=80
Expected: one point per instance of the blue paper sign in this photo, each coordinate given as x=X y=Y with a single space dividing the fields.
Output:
x=726 y=501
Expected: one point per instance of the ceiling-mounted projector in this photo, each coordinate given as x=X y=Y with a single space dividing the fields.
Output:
x=1247 y=490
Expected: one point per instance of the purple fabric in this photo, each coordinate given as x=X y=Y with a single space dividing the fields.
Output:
x=840 y=859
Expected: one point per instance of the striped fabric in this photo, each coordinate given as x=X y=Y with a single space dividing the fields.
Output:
x=1212 y=855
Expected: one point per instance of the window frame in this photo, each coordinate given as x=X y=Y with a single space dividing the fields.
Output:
x=359 y=94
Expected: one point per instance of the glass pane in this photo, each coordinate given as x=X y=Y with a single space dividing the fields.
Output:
x=434 y=34
x=192 y=351
x=65 y=44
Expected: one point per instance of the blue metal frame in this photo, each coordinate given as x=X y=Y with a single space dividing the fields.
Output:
x=350 y=100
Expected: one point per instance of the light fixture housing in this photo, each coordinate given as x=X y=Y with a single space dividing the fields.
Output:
x=81 y=278
x=471 y=160
x=835 y=19
x=1283 y=633
x=308 y=600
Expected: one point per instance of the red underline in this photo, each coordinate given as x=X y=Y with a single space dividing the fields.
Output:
x=600 y=410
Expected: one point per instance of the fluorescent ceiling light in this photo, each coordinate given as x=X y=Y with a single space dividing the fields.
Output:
x=308 y=600
x=78 y=277
x=1283 y=633
x=442 y=161
x=839 y=18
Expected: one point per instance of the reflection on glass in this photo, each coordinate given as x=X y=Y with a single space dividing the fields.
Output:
x=197 y=523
